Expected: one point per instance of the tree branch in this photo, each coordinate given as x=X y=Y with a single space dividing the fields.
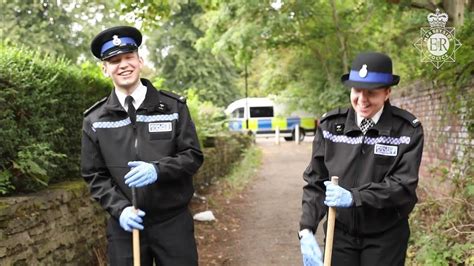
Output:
x=323 y=61
x=367 y=19
x=428 y=5
x=340 y=36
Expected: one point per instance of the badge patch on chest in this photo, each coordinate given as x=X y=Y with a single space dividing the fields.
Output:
x=386 y=150
x=339 y=128
x=160 y=127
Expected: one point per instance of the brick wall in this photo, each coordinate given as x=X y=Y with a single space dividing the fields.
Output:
x=446 y=134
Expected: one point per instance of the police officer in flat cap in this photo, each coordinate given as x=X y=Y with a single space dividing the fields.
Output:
x=375 y=149
x=142 y=138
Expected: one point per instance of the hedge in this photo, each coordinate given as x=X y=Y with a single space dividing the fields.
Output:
x=42 y=99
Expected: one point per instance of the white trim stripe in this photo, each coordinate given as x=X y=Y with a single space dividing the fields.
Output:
x=156 y=118
x=367 y=140
x=140 y=118
x=112 y=124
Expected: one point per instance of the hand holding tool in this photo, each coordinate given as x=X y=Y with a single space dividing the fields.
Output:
x=310 y=250
x=130 y=219
x=337 y=196
x=141 y=174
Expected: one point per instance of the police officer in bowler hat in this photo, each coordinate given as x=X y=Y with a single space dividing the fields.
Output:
x=144 y=138
x=375 y=149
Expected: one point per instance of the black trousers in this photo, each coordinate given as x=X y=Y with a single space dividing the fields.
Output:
x=170 y=242
x=387 y=248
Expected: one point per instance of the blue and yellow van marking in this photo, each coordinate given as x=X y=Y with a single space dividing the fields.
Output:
x=266 y=124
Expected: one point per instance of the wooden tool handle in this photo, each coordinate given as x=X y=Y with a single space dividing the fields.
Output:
x=330 y=229
x=136 y=247
x=135 y=233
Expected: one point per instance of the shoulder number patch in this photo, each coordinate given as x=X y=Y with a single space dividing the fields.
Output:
x=385 y=150
x=160 y=127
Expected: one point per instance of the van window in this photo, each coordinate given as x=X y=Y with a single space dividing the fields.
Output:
x=238 y=113
x=261 y=111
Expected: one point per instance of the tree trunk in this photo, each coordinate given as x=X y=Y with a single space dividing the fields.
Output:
x=341 y=38
x=317 y=53
x=455 y=10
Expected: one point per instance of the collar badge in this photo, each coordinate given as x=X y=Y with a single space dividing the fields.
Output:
x=162 y=107
x=339 y=128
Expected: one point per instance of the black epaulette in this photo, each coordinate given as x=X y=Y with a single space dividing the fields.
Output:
x=95 y=105
x=174 y=96
x=406 y=115
x=335 y=112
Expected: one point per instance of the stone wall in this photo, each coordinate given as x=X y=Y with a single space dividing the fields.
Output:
x=59 y=226
x=446 y=134
x=64 y=226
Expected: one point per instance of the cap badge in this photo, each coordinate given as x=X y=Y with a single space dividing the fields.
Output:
x=363 y=71
x=116 y=41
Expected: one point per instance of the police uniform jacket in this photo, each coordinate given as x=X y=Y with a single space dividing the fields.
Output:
x=163 y=134
x=380 y=169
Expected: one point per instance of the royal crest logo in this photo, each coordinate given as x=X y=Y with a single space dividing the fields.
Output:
x=438 y=43
x=116 y=41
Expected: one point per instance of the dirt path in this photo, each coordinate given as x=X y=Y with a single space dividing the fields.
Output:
x=260 y=226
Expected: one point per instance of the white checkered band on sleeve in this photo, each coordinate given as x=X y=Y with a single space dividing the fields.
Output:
x=140 y=118
x=156 y=118
x=112 y=124
x=367 y=140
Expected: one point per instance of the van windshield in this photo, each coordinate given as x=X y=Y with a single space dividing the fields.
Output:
x=238 y=113
x=261 y=111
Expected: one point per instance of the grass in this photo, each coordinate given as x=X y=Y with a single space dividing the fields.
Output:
x=243 y=171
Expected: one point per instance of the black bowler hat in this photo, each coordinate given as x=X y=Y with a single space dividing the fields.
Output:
x=370 y=71
x=115 y=41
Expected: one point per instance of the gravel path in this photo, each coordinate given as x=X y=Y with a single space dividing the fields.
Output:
x=270 y=213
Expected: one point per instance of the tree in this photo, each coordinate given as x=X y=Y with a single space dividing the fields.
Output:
x=61 y=28
x=300 y=50
x=183 y=67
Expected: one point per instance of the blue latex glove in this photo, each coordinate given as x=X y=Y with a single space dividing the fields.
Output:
x=130 y=219
x=310 y=250
x=142 y=174
x=337 y=196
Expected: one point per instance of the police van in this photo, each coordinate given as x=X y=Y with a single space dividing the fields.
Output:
x=262 y=116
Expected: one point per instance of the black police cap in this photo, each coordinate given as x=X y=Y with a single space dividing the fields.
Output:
x=370 y=71
x=115 y=41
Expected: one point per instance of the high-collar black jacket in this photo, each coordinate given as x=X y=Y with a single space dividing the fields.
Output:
x=163 y=134
x=380 y=169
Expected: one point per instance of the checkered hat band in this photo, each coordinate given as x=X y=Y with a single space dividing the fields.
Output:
x=140 y=118
x=367 y=140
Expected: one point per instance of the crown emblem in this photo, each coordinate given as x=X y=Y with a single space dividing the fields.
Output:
x=437 y=20
x=116 y=41
x=363 y=71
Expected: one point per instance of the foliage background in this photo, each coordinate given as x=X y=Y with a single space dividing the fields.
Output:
x=42 y=99
x=215 y=52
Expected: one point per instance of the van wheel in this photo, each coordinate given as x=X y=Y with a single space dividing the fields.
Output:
x=302 y=134
x=292 y=138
